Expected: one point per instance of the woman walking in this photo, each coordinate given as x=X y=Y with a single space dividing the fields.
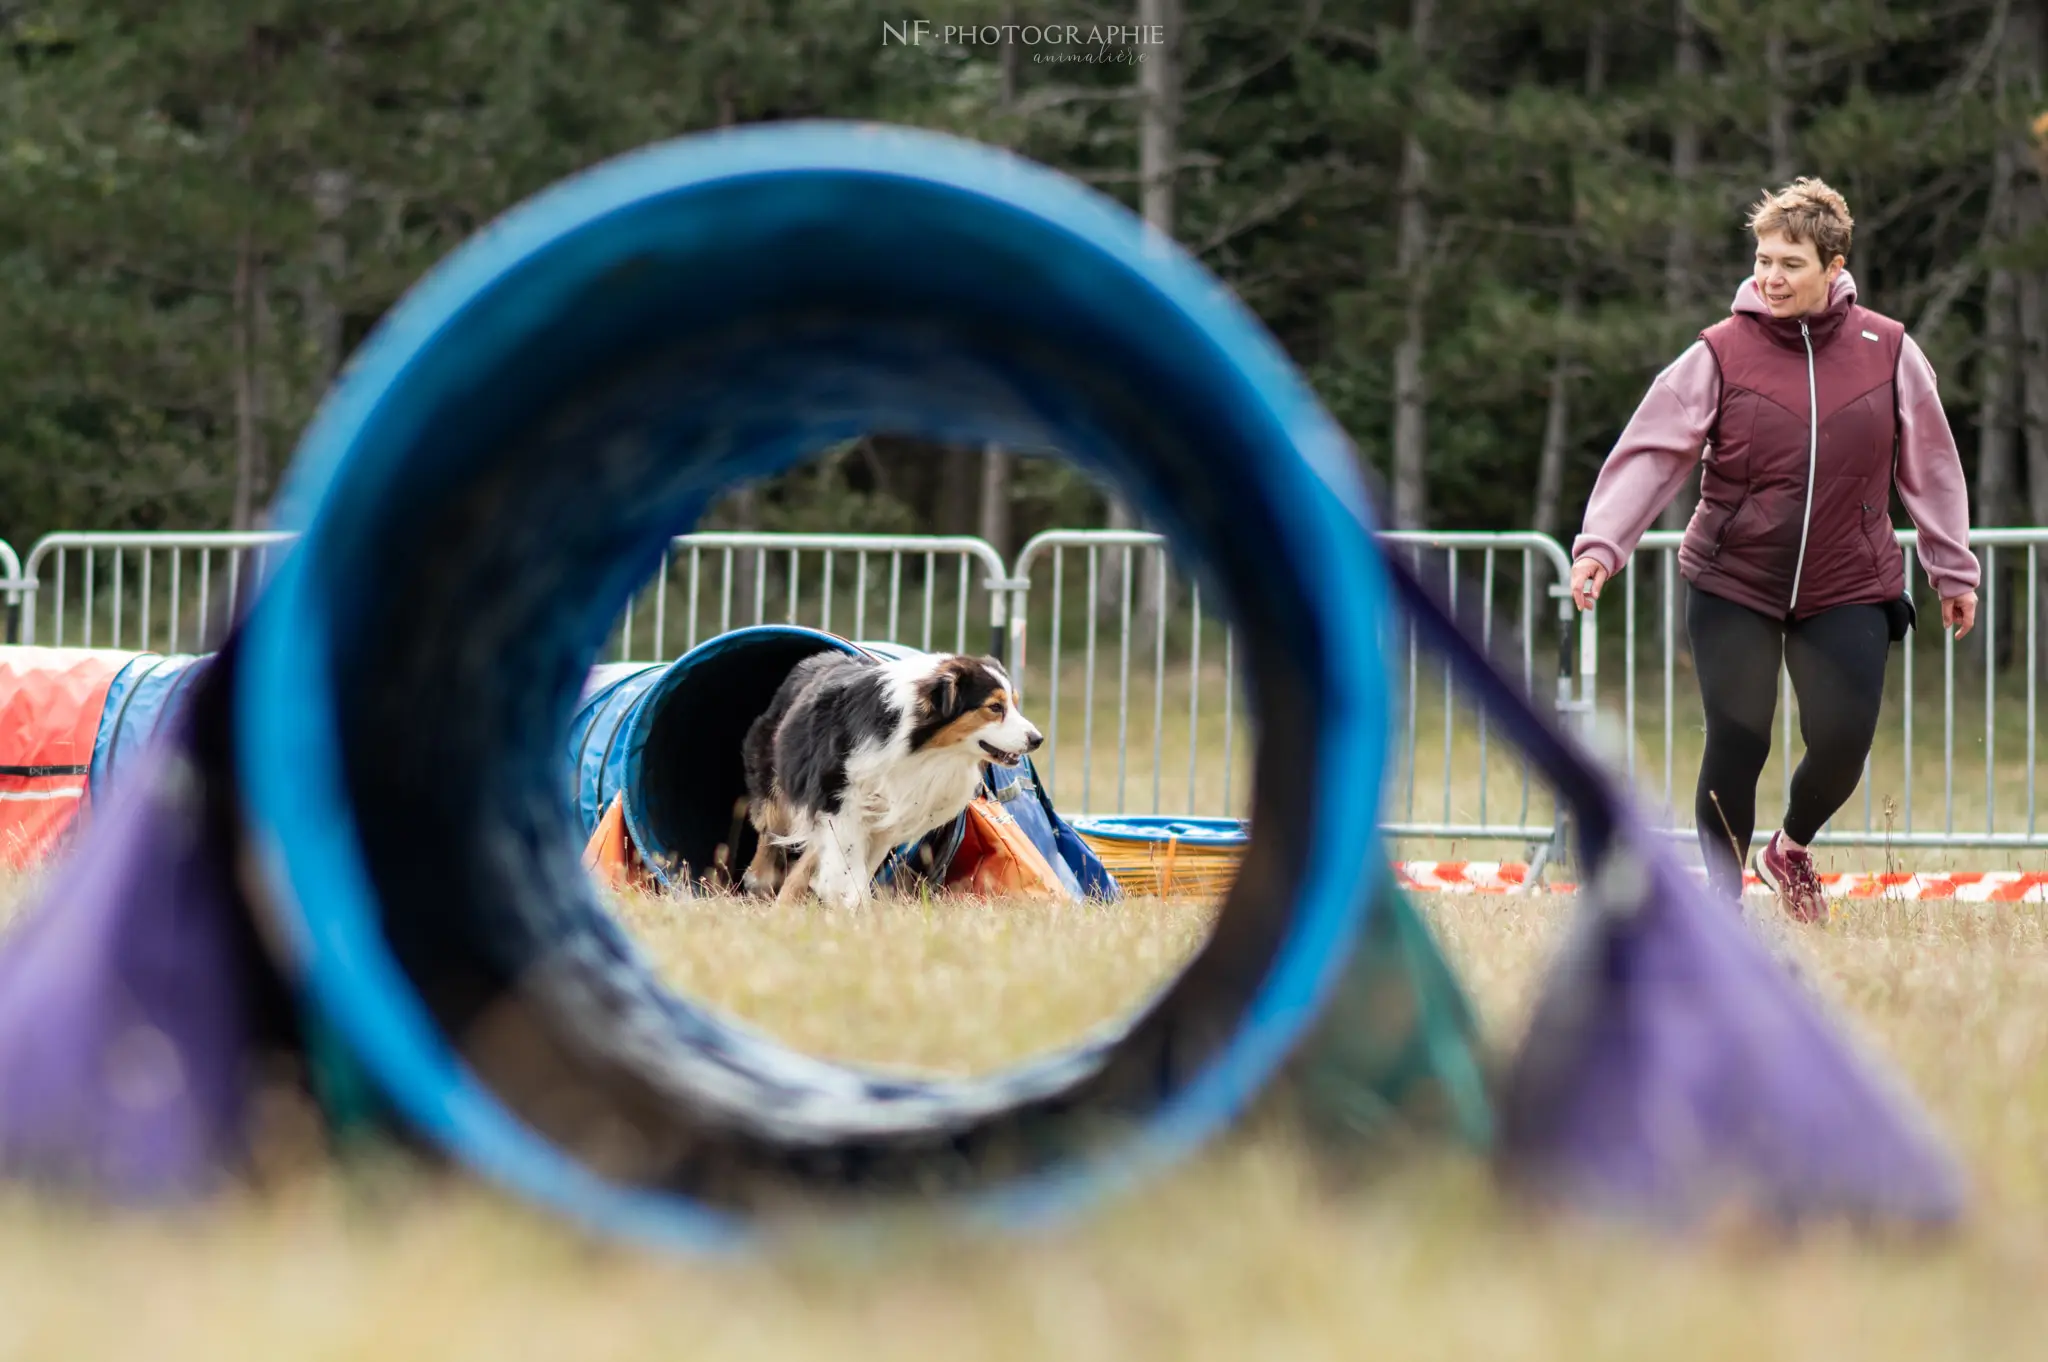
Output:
x=1811 y=409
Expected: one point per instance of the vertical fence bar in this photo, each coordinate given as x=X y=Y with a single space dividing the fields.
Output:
x=1229 y=712
x=725 y=585
x=120 y=557
x=760 y=586
x=1414 y=695
x=895 y=592
x=1053 y=727
x=2033 y=657
x=696 y=596
x=1910 y=704
x=1670 y=565
x=57 y=615
x=1990 y=641
x=931 y=586
x=1158 y=674
x=1088 y=683
x=1528 y=659
x=146 y=557
x=89 y=556
x=1486 y=643
x=1948 y=732
x=1123 y=681
x=205 y=598
x=1628 y=670
x=177 y=600
x=960 y=621
x=1450 y=700
x=827 y=626
x=860 y=594
x=626 y=629
x=795 y=583
x=1194 y=686
x=661 y=602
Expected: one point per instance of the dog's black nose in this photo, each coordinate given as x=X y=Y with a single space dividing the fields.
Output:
x=1037 y=741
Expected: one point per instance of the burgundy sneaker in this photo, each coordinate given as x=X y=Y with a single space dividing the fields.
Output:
x=1789 y=874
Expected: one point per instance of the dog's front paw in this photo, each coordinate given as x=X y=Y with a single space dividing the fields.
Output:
x=847 y=900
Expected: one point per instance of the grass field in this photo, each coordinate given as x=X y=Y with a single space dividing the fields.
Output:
x=1254 y=1250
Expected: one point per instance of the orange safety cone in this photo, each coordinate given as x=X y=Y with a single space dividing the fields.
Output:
x=609 y=853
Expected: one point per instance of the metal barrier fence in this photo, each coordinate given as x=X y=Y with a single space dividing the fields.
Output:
x=944 y=591
x=1136 y=680
x=177 y=592
x=1896 y=778
x=163 y=592
x=1057 y=654
x=11 y=593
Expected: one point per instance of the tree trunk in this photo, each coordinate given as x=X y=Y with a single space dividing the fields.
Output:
x=247 y=384
x=959 y=490
x=2026 y=46
x=1557 y=416
x=2033 y=329
x=995 y=460
x=1010 y=67
x=1557 y=419
x=1412 y=259
x=1682 y=261
x=331 y=193
x=1998 y=378
x=1995 y=385
x=1158 y=157
x=1780 y=116
x=995 y=498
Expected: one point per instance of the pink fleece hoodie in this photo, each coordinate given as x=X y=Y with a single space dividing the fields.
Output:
x=1665 y=437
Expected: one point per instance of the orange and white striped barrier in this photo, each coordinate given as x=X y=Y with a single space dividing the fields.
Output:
x=1965 y=886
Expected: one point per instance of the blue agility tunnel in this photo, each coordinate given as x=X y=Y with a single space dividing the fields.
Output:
x=537 y=418
x=142 y=695
x=357 y=840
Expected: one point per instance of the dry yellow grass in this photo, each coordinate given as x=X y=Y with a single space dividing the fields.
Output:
x=1251 y=1251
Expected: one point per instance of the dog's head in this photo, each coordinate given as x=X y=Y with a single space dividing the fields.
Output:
x=969 y=702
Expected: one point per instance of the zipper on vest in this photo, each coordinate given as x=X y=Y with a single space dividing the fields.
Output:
x=1812 y=463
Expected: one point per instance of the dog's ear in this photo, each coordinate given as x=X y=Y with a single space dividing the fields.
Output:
x=945 y=694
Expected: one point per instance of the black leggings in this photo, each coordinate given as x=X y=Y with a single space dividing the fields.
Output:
x=1836 y=661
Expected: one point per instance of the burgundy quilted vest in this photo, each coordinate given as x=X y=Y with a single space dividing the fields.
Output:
x=1795 y=513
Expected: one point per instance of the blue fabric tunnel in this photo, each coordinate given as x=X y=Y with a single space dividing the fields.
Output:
x=536 y=419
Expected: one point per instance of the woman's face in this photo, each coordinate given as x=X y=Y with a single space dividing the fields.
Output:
x=1790 y=275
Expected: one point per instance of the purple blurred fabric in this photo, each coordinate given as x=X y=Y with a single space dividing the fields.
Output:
x=125 y=999
x=1675 y=1067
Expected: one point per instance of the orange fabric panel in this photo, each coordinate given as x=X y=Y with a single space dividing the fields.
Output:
x=997 y=860
x=609 y=853
x=50 y=703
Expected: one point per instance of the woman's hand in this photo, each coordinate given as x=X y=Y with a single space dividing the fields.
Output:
x=1958 y=612
x=1588 y=576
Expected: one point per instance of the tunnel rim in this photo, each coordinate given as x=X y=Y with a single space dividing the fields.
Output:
x=316 y=875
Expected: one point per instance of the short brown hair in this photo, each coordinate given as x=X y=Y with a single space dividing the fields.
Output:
x=1806 y=210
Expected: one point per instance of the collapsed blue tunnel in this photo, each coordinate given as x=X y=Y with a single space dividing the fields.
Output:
x=536 y=420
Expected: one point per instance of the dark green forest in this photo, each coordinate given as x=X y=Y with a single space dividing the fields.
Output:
x=1480 y=226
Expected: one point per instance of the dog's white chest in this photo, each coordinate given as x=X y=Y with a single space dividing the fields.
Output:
x=910 y=797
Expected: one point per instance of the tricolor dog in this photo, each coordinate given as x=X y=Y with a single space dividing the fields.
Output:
x=856 y=756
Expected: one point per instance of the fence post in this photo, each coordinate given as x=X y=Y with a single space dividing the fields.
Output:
x=1007 y=620
x=10 y=577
